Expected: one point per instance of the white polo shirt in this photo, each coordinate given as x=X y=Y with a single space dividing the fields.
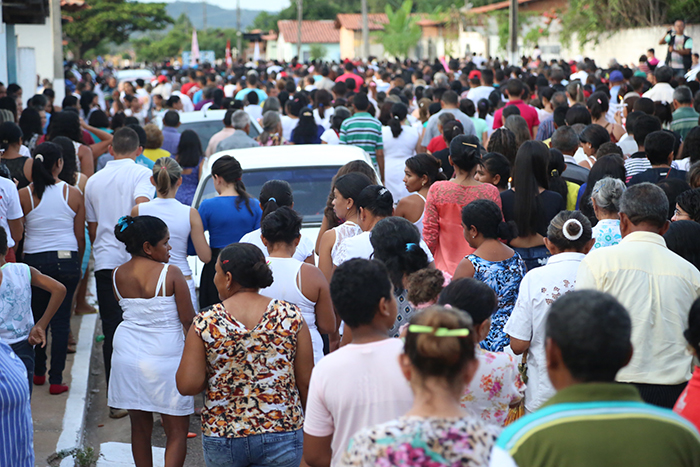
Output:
x=110 y=194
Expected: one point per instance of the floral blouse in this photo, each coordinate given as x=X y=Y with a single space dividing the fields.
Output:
x=607 y=233
x=424 y=442
x=251 y=385
x=496 y=386
x=504 y=278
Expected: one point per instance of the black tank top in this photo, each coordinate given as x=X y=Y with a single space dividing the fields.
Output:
x=16 y=167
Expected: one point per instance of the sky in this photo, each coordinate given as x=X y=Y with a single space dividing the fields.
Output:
x=269 y=5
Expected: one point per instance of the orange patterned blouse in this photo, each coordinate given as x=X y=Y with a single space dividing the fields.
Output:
x=251 y=388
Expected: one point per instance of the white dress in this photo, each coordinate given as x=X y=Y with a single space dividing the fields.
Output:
x=148 y=347
x=396 y=151
x=287 y=287
x=344 y=231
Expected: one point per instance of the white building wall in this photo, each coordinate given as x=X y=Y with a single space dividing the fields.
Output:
x=39 y=38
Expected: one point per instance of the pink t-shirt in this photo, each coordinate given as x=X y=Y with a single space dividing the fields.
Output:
x=357 y=386
x=528 y=112
x=358 y=79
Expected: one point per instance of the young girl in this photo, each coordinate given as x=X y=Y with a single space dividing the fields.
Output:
x=422 y=170
x=148 y=344
x=494 y=169
x=492 y=262
x=497 y=384
x=332 y=134
x=183 y=221
x=568 y=240
x=297 y=282
x=17 y=326
x=438 y=361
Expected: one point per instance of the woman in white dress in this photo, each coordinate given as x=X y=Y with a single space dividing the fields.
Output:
x=400 y=140
x=332 y=134
x=323 y=110
x=345 y=192
x=183 y=221
x=294 y=281
x=420 y=172
x=148 y=344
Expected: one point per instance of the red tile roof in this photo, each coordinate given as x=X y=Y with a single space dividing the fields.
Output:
x=321 y=31
x=495 y=7
x=353 y=21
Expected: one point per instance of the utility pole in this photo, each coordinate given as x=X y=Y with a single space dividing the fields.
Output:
x=59 y=83
x=513 y=34
x=204 y=14
x=365 y=31
x=239 y=33
x=300 y=15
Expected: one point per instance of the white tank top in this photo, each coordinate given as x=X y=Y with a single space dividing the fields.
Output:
x=287 y=287
x=177 y=217
x=50 y=226
x=419 y=222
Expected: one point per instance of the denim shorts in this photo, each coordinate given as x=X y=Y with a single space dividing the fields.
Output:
x=534 y=257
x=282 y=449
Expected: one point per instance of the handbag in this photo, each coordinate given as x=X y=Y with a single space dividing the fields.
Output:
x=518 y=410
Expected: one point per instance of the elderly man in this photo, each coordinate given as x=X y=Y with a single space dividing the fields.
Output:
x=685 y=118
x=592 y=421
x=239 y=139
x=657 y=287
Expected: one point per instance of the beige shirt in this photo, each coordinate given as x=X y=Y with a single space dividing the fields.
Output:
x=658 y=288
x=216 y=139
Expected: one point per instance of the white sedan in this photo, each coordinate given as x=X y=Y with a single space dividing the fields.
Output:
x=309 y=169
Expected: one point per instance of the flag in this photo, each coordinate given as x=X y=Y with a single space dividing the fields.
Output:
x=229 y=57
x=256 y=52
x=194 y=54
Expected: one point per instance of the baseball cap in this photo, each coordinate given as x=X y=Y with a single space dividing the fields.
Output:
x=616 y=76
x=474 y=74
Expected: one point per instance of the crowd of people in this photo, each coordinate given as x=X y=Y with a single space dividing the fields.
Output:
x=510 y=279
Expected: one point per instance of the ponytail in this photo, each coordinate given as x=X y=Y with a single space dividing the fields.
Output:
x=230 y=170
x=46 y=156
x=166 y=172
x=398 y=115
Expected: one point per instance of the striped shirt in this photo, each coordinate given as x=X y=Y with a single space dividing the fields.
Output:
x=636 y=165
x=598 y=424
x=684 y=120
x=364 y=131
x=16 y=430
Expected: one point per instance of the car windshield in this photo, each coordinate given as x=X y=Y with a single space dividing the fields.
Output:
x=309 y=184
x=208 y=128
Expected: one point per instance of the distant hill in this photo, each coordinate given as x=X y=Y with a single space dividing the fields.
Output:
x=217 y=17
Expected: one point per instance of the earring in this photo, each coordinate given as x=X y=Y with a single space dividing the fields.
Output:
x=423 y=184
x=348 y=208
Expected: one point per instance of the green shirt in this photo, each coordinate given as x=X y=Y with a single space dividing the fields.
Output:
x=364 y=131
x=684 y=120
x=598 y=424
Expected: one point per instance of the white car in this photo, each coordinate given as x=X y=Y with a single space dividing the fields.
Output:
x=134 y=74
x=206 y=123
x=308 y=168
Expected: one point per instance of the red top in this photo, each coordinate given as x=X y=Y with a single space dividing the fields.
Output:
x=528 y=112
x=358 y=79
x=437 y=144
x=688 y=405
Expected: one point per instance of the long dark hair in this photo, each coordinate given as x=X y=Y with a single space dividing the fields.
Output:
x=275 y=194
x=46 y=156
x=69 y=173
x=398 y=115
x=306 y=130
x=396 y=243
x=30 y=123
x=323 y=99
x=555 y=168
x=189 y=150
x=86 y=99
x=230 y=170
x=529 y=175
x=65 y=124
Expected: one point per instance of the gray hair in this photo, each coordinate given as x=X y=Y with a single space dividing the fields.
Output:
x=440 y=80
x=445 y=117
x=240 y=120
x=683 y=95
x=645 y=202
x=565 y=139
x=559 y=99
x=607 y=193
x=270 y=121
x=271 y=103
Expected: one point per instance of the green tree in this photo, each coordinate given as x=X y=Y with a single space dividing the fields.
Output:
x=112 y=21
x=159 y=46
x=401 y=32
x=318 y=52
x=265 y=21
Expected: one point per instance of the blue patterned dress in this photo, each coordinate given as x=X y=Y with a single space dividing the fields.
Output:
x=504 y=278
x=607 y=233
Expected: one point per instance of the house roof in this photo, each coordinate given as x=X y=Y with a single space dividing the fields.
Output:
x=495 y=7
x=73 y=5
x=353 y=21
x=320 y=31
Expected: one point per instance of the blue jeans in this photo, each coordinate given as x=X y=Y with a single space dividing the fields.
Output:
x=67 y=272
x=534 y=257
x=25 y=352
x=265 y=450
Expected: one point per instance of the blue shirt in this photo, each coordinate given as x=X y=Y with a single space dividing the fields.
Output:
x=16 y=429
x=171 y=139
x=227 y=222
x=240 y=95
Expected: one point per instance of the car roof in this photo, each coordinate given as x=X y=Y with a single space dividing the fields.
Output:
x=202 y=115
x=133 y=74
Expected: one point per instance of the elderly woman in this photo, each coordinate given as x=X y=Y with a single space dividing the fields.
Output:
x=272 y=130
x=605 y=198
x=154 y=141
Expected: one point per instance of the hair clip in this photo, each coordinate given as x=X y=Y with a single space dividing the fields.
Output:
x=410 y=246
x=39 y=157
x=566 y=233
x=224 y=261
x=599 y=101
x=271 y=198
x=397 y=117
x=470 y=145
x=123 y=222
x=382 y=191
x=554 y=173
x=438 y=332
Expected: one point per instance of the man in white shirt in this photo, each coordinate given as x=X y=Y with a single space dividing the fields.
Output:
x=656 y=286
x=662 y=90
x=110 y=194
x=483 y=91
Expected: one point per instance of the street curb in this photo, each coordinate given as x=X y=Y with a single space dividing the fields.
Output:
x=76 y=405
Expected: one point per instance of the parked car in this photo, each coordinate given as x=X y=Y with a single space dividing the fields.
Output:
x=308 y=168
x=206 y=123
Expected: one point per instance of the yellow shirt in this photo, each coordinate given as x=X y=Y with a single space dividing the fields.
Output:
x=155 y=154
x=657 y=287
x=571 y=195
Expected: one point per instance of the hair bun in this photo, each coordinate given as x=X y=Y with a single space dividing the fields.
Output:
x=572 y=229
x=262 y=275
